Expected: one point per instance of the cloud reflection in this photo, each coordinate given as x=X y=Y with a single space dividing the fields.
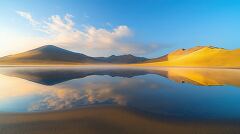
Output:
x=78 y=93
x=144 y=90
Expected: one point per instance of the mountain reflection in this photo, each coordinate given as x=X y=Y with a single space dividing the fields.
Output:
x=144 y=90
x=56 y=76
x=196 y=76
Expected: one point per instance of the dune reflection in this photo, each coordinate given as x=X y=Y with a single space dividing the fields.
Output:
x=204 y=76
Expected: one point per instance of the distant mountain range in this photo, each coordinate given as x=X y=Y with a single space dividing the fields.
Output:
x=200 y=56
x=51 y=54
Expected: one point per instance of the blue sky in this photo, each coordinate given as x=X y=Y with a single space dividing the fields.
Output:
x=142 y=27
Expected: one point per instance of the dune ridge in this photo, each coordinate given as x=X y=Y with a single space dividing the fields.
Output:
x=201 y=56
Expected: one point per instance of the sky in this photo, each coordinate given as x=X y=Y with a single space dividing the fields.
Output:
x=147 y=28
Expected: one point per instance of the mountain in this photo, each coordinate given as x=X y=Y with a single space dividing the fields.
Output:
x=51 y=54
x=122 y=59
x=200 y=56
x=47 y=54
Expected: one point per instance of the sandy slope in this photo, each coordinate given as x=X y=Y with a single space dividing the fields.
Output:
x=202 y=57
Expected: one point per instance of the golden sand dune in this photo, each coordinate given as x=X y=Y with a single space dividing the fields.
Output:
x=201 y=57
x=182 y=52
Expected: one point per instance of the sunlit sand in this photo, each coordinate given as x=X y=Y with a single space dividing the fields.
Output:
x=201 y=57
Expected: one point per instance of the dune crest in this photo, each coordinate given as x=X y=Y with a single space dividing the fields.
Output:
x=201 y=56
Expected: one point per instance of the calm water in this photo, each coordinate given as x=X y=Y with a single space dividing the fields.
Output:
x=176 y=93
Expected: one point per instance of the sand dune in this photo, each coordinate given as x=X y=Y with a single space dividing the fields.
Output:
x=201 y=57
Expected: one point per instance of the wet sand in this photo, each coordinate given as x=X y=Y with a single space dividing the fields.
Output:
x=103 y=120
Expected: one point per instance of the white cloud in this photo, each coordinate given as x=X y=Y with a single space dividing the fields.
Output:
x=61 y=31
x=27 y=16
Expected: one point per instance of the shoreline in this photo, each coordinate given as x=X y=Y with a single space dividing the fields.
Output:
x=118 y=65
x=101 y=120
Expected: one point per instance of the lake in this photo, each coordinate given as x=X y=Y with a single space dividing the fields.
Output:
x=189 y=100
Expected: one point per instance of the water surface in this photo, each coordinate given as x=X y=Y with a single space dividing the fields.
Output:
x=193 y=94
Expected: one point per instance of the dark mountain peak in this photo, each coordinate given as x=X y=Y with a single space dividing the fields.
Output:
x=125 y=55
x=49 y=48
x=128 y=58
x=120 y=56
x=113 y=56
x=129 y=55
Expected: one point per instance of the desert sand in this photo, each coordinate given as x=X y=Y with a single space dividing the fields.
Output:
x=200 y=57
x=102 y=120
